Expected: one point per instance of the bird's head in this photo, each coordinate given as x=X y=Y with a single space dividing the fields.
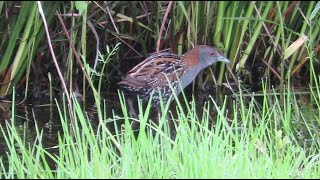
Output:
x=209 y=55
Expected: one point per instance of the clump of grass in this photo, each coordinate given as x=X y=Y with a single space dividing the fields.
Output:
x=262 y=39
x=258 y=142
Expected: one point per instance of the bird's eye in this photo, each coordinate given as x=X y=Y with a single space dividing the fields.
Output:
x=212 y=54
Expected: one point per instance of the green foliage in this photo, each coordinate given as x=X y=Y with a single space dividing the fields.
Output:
x=18 y=52
x=254 y=141
x=247 y=140
x=263 y=35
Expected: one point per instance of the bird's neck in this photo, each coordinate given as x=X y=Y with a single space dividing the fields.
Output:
x=189 y=76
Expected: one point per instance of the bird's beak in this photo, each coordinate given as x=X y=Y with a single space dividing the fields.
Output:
x=223 y=59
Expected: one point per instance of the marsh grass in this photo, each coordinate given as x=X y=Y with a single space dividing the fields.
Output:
x=275 y=137
x=259 y=141
x=273 y=37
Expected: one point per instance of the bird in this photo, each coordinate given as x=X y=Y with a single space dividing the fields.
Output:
x=161 y=73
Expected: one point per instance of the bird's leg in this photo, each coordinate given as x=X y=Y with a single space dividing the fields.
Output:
x=135 y=124
x=172 y=129
x=156 y=121
x=168 y=120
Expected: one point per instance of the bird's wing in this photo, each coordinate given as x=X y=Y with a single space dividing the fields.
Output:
x=152 y=72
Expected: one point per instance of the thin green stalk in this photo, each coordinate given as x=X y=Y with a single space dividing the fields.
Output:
x=84 y=44
x=255 y=35
x=33 y=45
x=303 y=30
x=218 y=25
x=23 y=15
x=1 y=5
x=105 y=61
x=22 y=47
x=244 y=27
x=229 y=29
x=70 y=64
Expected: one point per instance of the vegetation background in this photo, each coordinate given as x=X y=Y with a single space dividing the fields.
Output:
x=274 y=40
x=53 y=48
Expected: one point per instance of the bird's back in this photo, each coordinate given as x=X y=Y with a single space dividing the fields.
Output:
x=153 y=73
